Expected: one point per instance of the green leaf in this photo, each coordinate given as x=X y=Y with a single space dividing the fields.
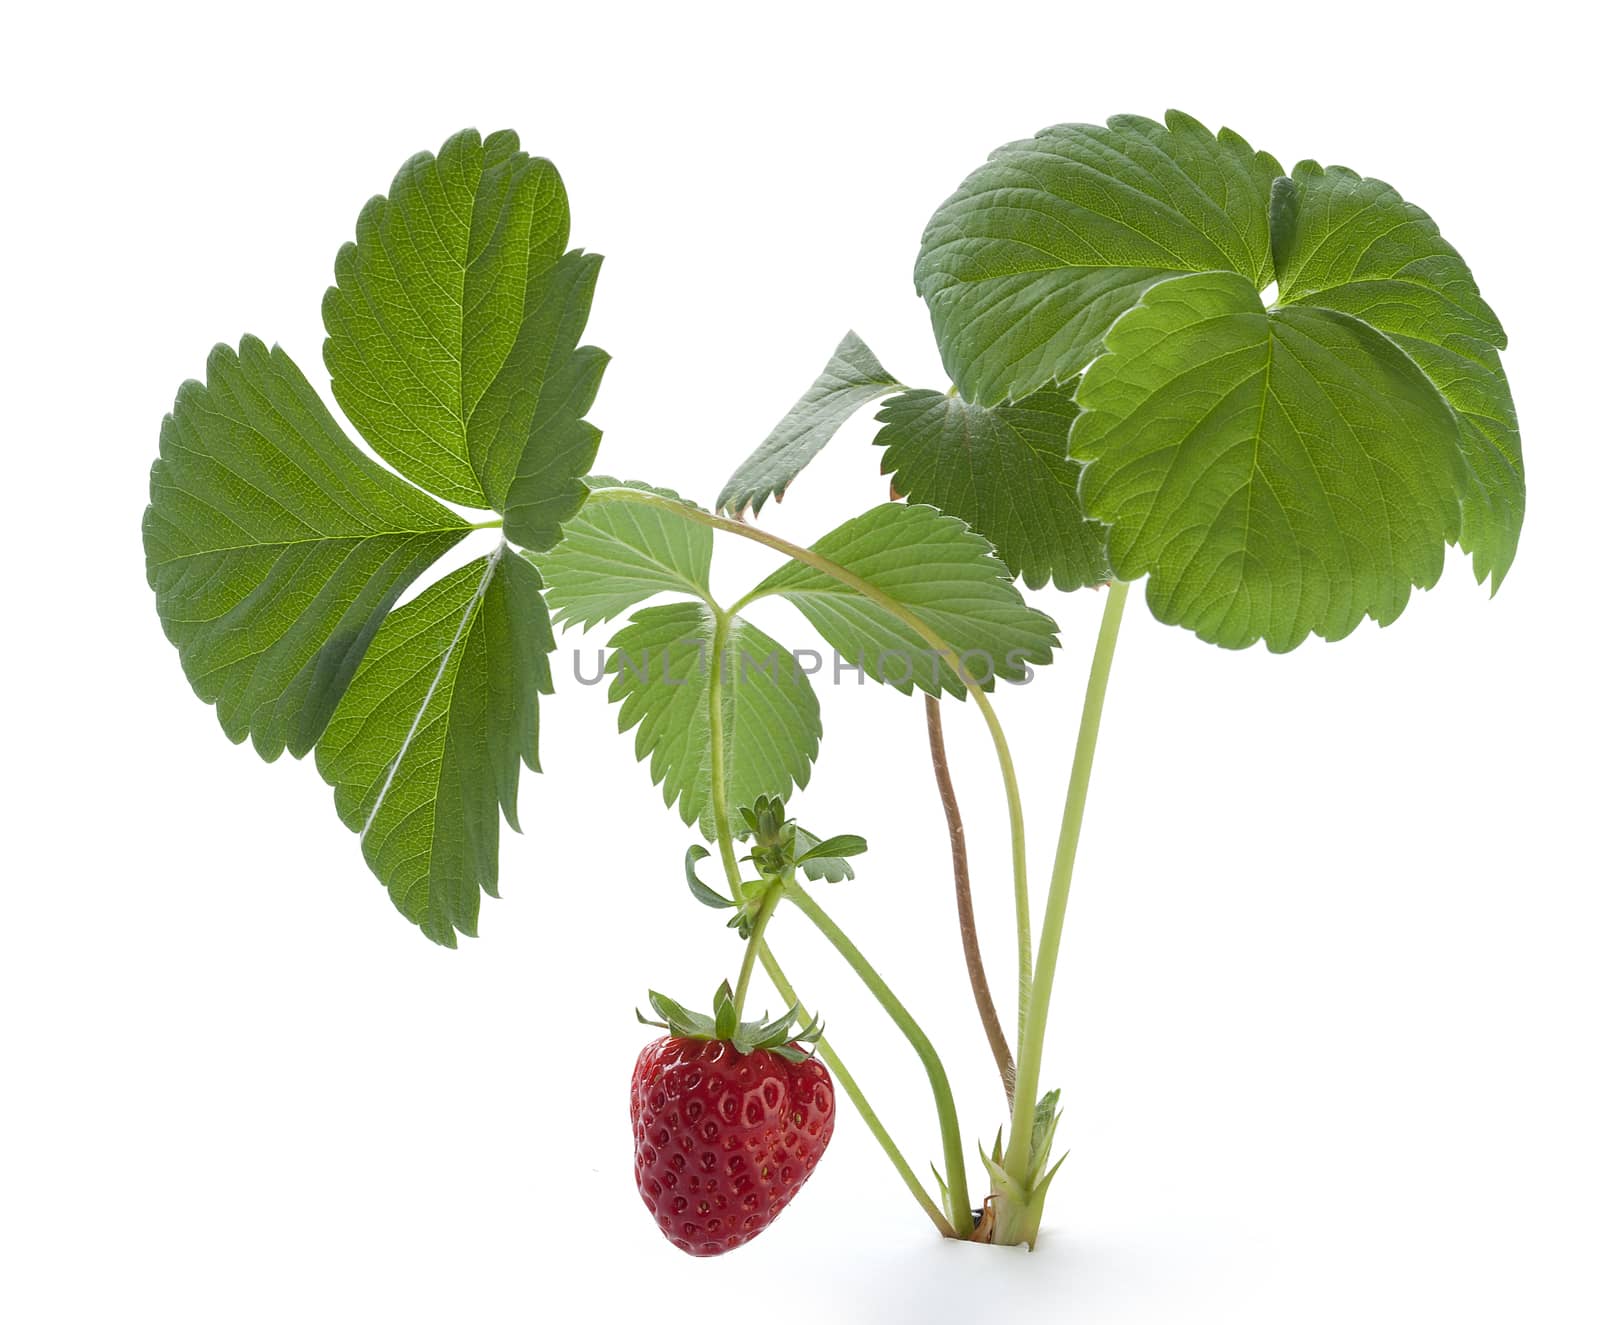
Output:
x=453 y=329
x=934 y=566
x=832 y=869
x=616 y=553
x=1044 y=246
x=1356 y=246
x=548 y=487
x=428 y=741
x=517 y=641
x=1274 y=473
x=703 y=894
x=1004 y=470
x=661 y=664
x=853 y=378
x=844 y=844
x=275 y=547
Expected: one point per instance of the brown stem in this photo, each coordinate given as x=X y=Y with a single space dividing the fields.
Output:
x=969 y=925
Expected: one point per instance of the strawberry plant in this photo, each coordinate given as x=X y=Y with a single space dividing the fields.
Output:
x=1275 y=396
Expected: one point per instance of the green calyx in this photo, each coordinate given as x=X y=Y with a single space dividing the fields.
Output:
x=776 y=1035
x=779 y=847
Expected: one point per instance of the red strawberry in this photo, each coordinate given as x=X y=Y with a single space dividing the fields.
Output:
x=725 y=1130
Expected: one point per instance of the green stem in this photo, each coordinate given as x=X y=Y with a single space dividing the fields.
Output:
x=898 y=610
x=1030 y=1048
x=488 y=524
x=944 y=1101
x=769 y=904
x=1019 y=869
x=719 y=779
x=758 y=947
x=847 y=1083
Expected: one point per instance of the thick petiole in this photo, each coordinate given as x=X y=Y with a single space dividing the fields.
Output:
x=1030 y=1050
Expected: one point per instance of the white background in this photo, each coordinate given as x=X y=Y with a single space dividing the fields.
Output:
x=1325 y=1028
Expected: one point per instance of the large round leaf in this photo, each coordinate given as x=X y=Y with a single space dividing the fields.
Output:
x=1135 y=254
x=1274 y=473
x=1043 y=246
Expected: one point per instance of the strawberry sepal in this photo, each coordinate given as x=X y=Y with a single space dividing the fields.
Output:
x=776 y=1034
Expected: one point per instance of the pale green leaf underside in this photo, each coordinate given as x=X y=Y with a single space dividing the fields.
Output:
x=1005 y=471
x=772 y=724
x=426 y=747
x=453 y=330
x=940 y=570
x=829 y=869
x=1275 y=474
x=1356 y=246
x=275 y=547
x=1040 y=250
x=615 y=554
x=852 y=378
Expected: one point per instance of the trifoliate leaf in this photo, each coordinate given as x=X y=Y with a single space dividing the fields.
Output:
x=453 y=330
x=1354 y=245
x=1274 y=473
x=1044 y=246
x=616 y=553
x=275 y=547
x=661 y=662
x=1004 y=470
x=426 y=746
x=852 y=378
x=934 y=566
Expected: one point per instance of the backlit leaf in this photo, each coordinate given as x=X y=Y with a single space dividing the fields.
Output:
x=425 y=750
x=934 y=566
x=616 y=553
x=1274 y=473
x=275 y=547
x=661 y=664
x=1044 y=246
x=453 y=330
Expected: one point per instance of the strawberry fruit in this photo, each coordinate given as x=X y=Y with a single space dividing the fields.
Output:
x=726 y=1127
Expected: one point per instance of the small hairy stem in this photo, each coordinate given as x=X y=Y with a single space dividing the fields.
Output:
x=847 y=1083
x=969 y=924
x=719 y=778
x=769 y=904
x=944 y=1101
x=1030 y=1049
